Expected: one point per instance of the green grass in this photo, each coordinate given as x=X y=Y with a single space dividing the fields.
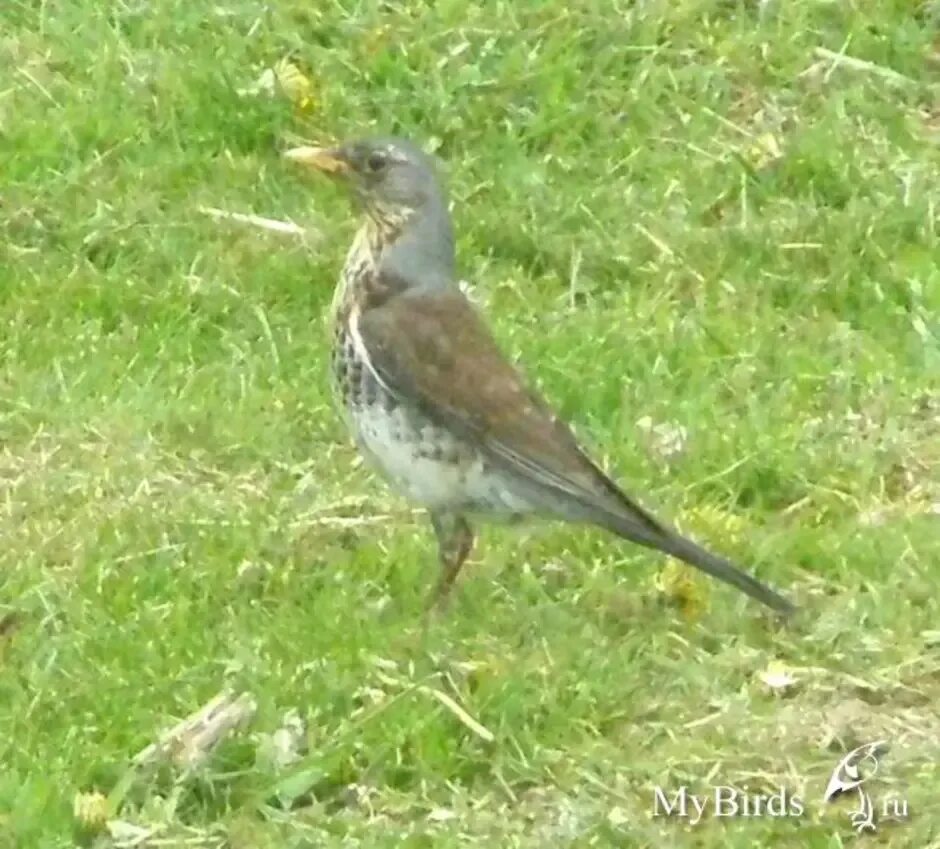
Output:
x=173 y=476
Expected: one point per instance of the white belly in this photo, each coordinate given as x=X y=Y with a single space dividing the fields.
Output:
x=432 y=468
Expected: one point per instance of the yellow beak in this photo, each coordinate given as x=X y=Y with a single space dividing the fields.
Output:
x=323 y=159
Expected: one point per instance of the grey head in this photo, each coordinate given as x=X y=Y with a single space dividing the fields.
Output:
x=395 y=184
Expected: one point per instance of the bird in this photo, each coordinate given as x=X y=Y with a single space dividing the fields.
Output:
x=431 y=400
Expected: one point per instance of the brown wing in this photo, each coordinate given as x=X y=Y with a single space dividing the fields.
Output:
x=433 y=349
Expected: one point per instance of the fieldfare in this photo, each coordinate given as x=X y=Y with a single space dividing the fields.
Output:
x=428 y=395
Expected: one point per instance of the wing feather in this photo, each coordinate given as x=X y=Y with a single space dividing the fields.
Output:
x=433 y=349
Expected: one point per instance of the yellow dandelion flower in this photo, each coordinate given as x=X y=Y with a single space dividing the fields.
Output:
x=296 y=85
x=678 y=584
x=91 y=811
x=764 y=151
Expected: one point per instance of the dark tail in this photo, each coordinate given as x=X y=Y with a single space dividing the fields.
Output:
x=670 y=542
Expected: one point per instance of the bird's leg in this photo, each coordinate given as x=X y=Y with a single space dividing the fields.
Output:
x=454 y=542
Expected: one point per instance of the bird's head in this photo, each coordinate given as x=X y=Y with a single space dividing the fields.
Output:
x=393 y=180
x=395 y=183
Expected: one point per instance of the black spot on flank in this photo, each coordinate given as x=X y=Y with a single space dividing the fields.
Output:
x=369 y=391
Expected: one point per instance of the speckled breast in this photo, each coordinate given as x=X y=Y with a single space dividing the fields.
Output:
x=422 y=460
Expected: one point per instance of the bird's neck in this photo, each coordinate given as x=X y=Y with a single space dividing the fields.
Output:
x=421 y=248
x=384 y=225
x=397 y=250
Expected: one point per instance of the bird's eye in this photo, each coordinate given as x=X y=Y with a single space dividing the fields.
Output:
x=376 y=161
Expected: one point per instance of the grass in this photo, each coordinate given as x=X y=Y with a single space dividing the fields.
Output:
x=682 y=212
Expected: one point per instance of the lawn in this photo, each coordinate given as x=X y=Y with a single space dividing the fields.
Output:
x=710 y=232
